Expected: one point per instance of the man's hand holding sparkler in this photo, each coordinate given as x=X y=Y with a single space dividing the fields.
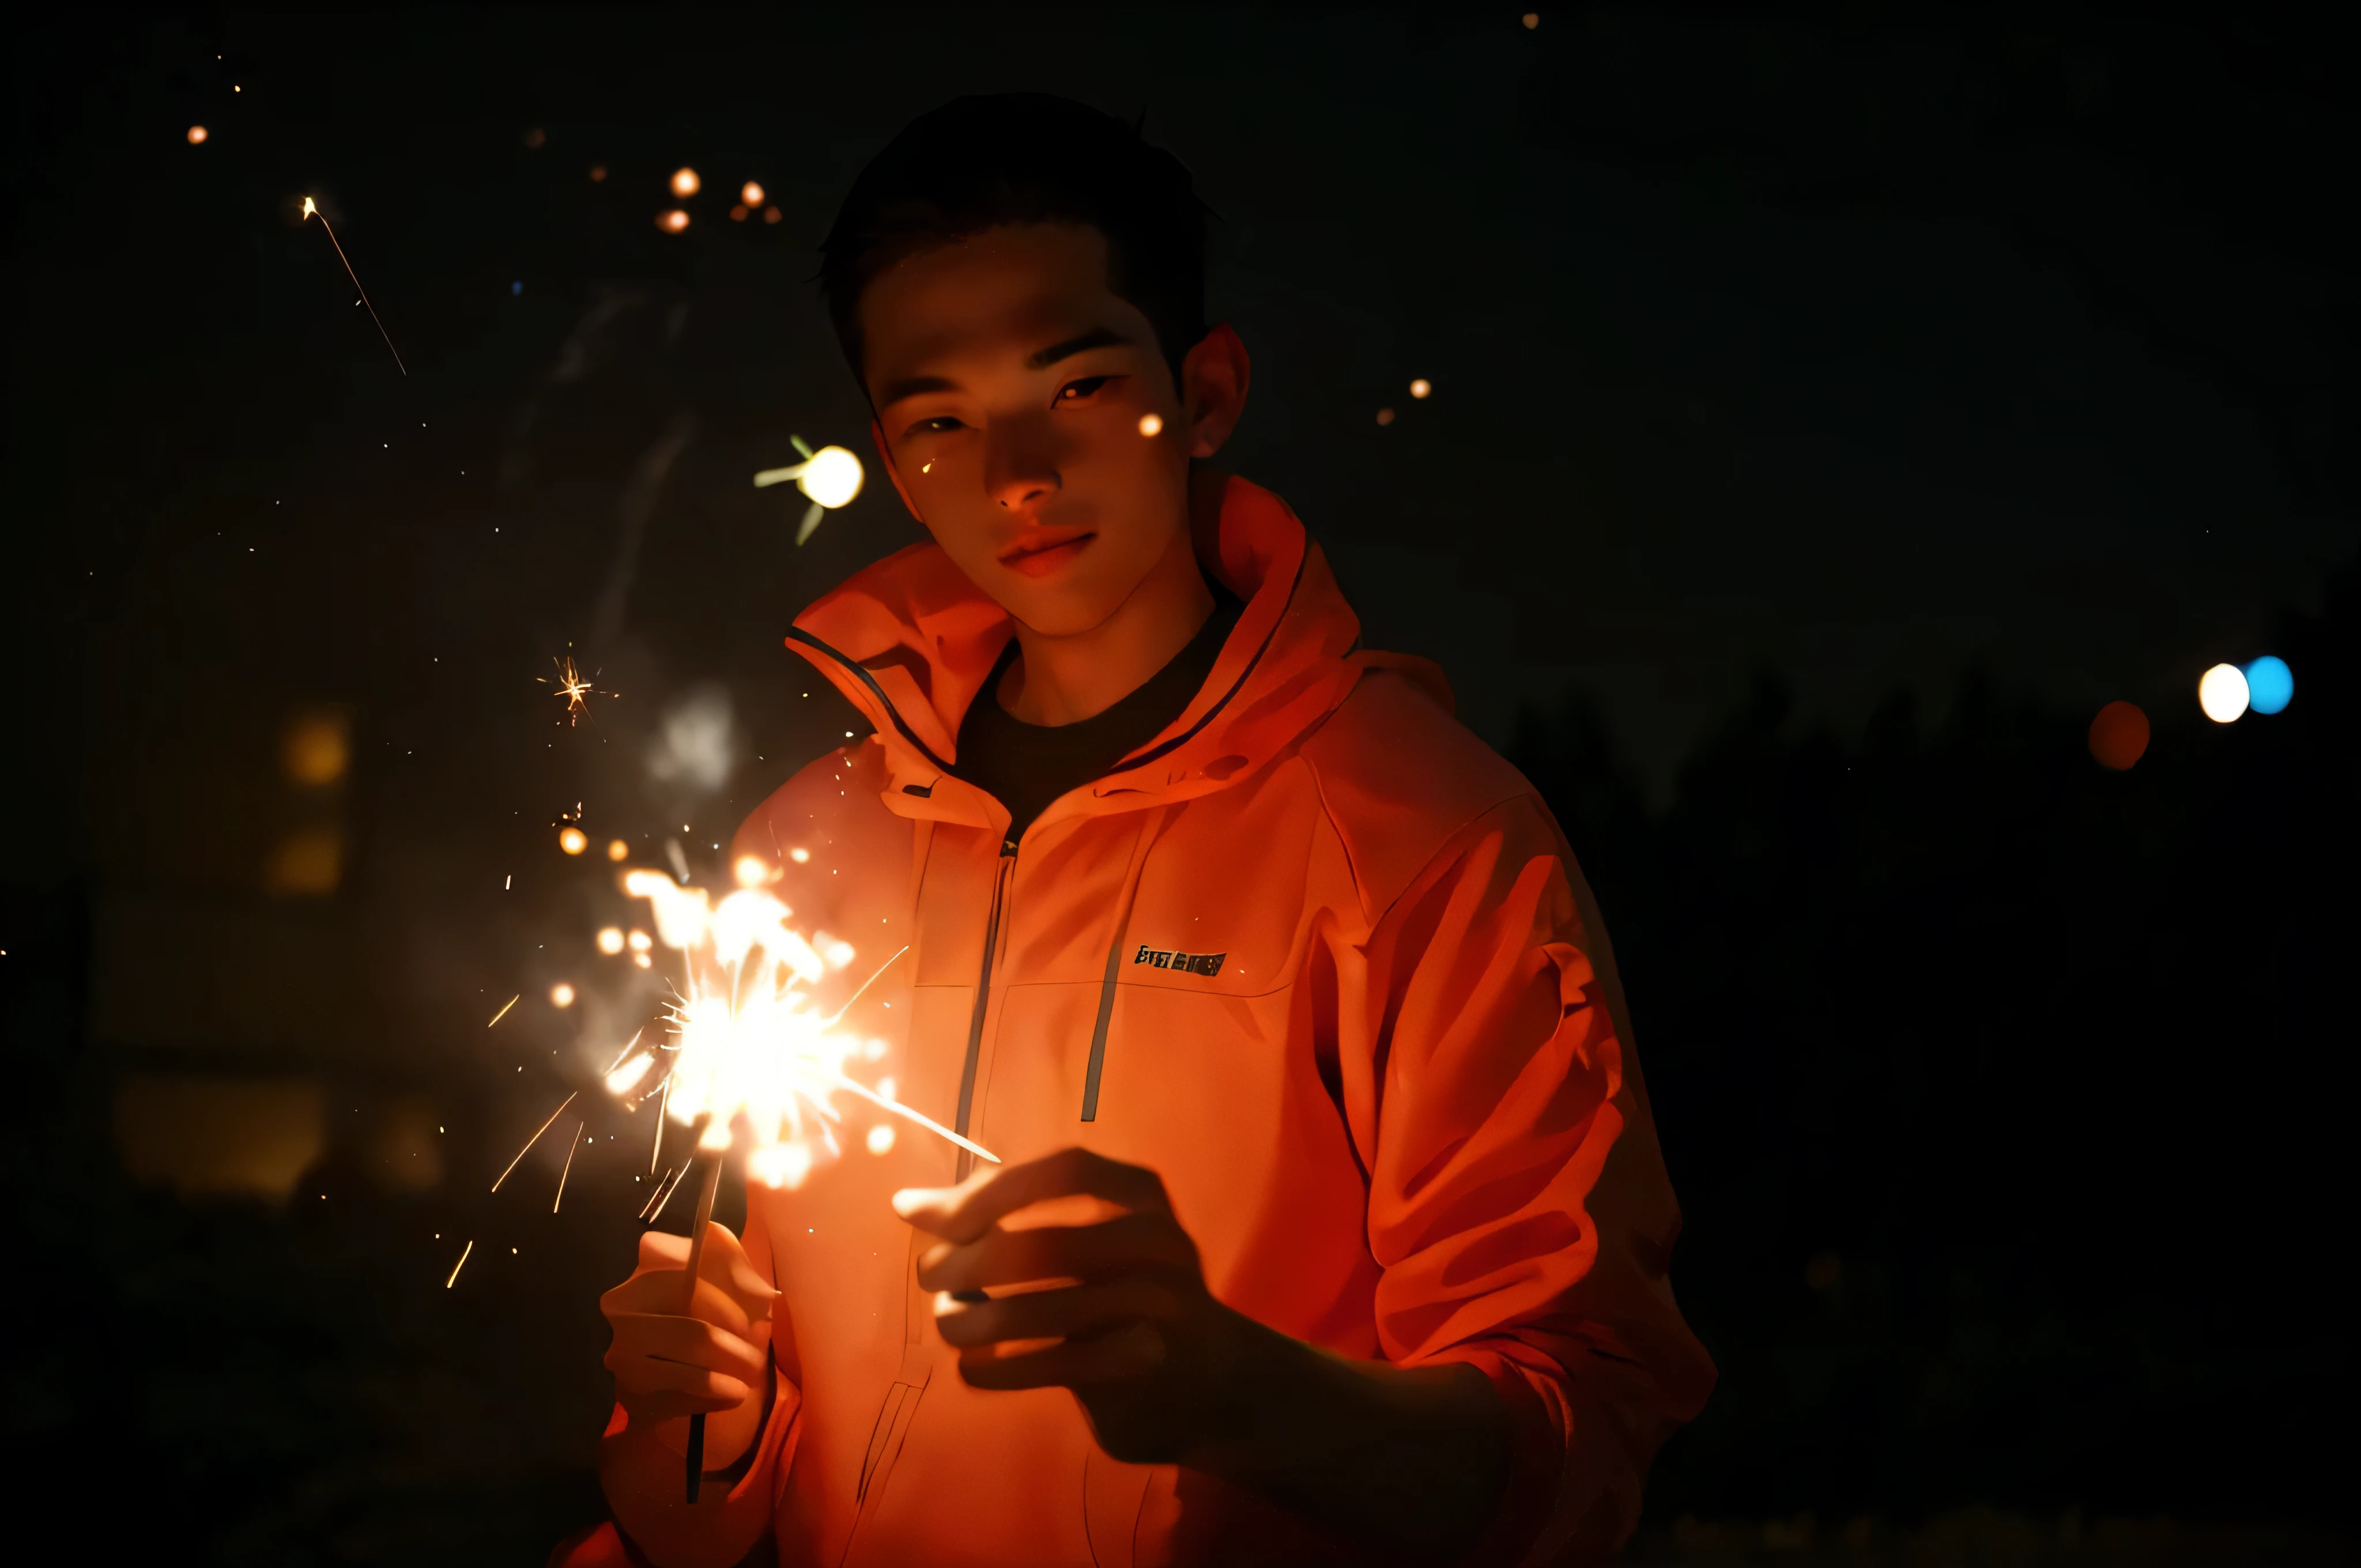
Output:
x=713 y=1360
x=1411 y=1459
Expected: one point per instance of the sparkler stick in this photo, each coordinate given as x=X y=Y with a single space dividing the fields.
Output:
x=705 y=1194
x=311 y=210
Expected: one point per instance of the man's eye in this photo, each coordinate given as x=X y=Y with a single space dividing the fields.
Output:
x=941 y=424
x=1079 y=392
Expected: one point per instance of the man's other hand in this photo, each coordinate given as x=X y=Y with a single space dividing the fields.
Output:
x=1115 y=1310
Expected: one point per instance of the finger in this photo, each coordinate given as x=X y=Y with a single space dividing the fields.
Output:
x=1059 y=1252
x=684 y=1342
x=963 y=1212
x=1084 y=1309
x=725 y=1263
x=658 y=1295
x=656 y=1390
x=1129 y=1352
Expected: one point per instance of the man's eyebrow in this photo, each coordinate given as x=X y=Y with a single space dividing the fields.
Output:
x=892 y=392
x=1097 y=337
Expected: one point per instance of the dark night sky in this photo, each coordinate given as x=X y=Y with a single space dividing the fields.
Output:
x=1866 y=352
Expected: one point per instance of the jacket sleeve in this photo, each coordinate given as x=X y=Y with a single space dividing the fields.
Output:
x=1519 y=1208
x=646 y=1486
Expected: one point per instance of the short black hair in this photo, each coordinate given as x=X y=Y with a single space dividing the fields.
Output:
x=1025 y=158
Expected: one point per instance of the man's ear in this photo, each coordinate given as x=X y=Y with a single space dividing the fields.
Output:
x=1213 y=380
x=892 y=470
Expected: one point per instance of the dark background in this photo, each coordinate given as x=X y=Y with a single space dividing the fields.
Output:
x=1831 y=411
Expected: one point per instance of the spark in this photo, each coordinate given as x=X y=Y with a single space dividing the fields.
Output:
x=575 y=689
x=829 y=478
x=554 y=1116
x=751 y=1051
x=657 y=1193
x=570 y=1146
x=312 y=210
x=504 y=1008
x=460 y=1264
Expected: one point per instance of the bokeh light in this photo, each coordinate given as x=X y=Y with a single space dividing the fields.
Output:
x=1385 y=416
x=685 y=183
x=562 y=994
x=672 y=222
x=2221 y=692
x=1151 y=424
x=751 y=193
x=597 y=172
x=799 y=855
x=2270 y=685
x=610 y=940
x=1421 y=387
x=2119 y=736
x=881 y=1138
x=749 y=871
x=573 y=840
x=317 y=750
x=738 y=213
x=197 y=134
x=617 y=851
x=769 y=215
x=639 y=941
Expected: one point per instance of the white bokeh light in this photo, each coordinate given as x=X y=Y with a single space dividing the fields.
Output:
x=2221 y=692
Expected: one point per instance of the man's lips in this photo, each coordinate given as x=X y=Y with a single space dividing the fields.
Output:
x=1038 y=551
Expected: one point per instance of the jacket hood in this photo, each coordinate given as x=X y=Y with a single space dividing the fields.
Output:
x=911 y=642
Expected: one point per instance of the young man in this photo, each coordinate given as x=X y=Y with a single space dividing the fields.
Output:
x=1331 y=1226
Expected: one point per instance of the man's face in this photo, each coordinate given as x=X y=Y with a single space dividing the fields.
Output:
x=1029 y=419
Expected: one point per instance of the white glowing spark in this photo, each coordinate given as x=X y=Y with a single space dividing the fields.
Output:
x=751 y=1053
x=829 y=478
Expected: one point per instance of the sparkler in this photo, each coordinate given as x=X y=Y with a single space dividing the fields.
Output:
x=312 y=210
x=830 y=477
x=750 y=1050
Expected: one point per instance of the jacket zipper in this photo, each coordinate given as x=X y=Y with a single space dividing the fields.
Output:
x=1000 y=880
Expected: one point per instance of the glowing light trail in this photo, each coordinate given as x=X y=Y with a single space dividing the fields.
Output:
x=554 y=1116
x=504 y=1008
x=458 y=1266
x=312 y=210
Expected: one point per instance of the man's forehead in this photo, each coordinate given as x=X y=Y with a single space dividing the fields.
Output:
x=1005 y=293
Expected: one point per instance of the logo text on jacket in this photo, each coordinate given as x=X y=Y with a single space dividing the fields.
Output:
x=1192 y=963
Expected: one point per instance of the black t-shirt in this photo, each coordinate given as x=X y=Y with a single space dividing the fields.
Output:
x=1026 y=766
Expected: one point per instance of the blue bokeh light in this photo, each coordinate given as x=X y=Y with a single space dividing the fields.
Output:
x=2269 y=683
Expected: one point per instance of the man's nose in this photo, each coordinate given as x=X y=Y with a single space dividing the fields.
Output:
x=1020 y=471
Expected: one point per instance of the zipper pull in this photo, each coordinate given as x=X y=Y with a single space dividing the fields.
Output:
x=1007 y=848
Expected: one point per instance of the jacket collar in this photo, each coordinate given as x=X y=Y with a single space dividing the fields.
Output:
x=911 y=641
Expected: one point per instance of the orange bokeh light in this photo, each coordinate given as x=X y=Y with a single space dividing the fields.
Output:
x=738 y=213
x=685 y=181
x=197 y=134
x=2119 y=736
x=617 y=851
x=769 y=215
x=573 y=840
x=672 y=222
x=562 y=994
x=751 y=193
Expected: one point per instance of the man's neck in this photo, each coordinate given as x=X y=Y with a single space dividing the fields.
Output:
x=1064 y=680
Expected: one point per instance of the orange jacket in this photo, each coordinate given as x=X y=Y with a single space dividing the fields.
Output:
x=1318 y=957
